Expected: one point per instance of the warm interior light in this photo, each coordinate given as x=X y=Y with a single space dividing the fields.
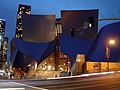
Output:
x=49 y=67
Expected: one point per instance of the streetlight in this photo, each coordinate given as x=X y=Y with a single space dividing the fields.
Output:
x=107 y=51
x=112 y=42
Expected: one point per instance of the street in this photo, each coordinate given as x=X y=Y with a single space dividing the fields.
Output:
x=93 y=82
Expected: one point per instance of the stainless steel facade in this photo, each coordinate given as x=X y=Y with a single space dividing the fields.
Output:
x=38 y=28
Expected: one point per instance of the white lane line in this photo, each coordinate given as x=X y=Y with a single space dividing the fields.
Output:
x=12 y=89
x=84 y=75
x=29 y=86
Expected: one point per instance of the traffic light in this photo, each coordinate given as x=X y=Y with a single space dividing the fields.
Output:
x=72 y=32
x=91 y=22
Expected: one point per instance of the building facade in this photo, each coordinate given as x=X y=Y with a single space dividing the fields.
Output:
x=3 y=45
x=62 y=61
x=38 y=28
x=4 y=54
x=22 y=9
x=43 y=29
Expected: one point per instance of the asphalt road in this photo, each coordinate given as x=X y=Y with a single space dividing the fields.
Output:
x=94 y=82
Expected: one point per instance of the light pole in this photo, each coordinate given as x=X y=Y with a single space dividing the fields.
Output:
x=1 y=42
x=107 y=51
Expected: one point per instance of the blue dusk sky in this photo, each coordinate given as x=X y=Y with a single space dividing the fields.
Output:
x=8 y=10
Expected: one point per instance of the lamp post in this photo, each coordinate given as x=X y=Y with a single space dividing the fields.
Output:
x=1 y=42
x=107 y=51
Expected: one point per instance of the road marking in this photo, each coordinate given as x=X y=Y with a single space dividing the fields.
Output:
x=12 y=89
x=29 y=86
x=84 y=75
